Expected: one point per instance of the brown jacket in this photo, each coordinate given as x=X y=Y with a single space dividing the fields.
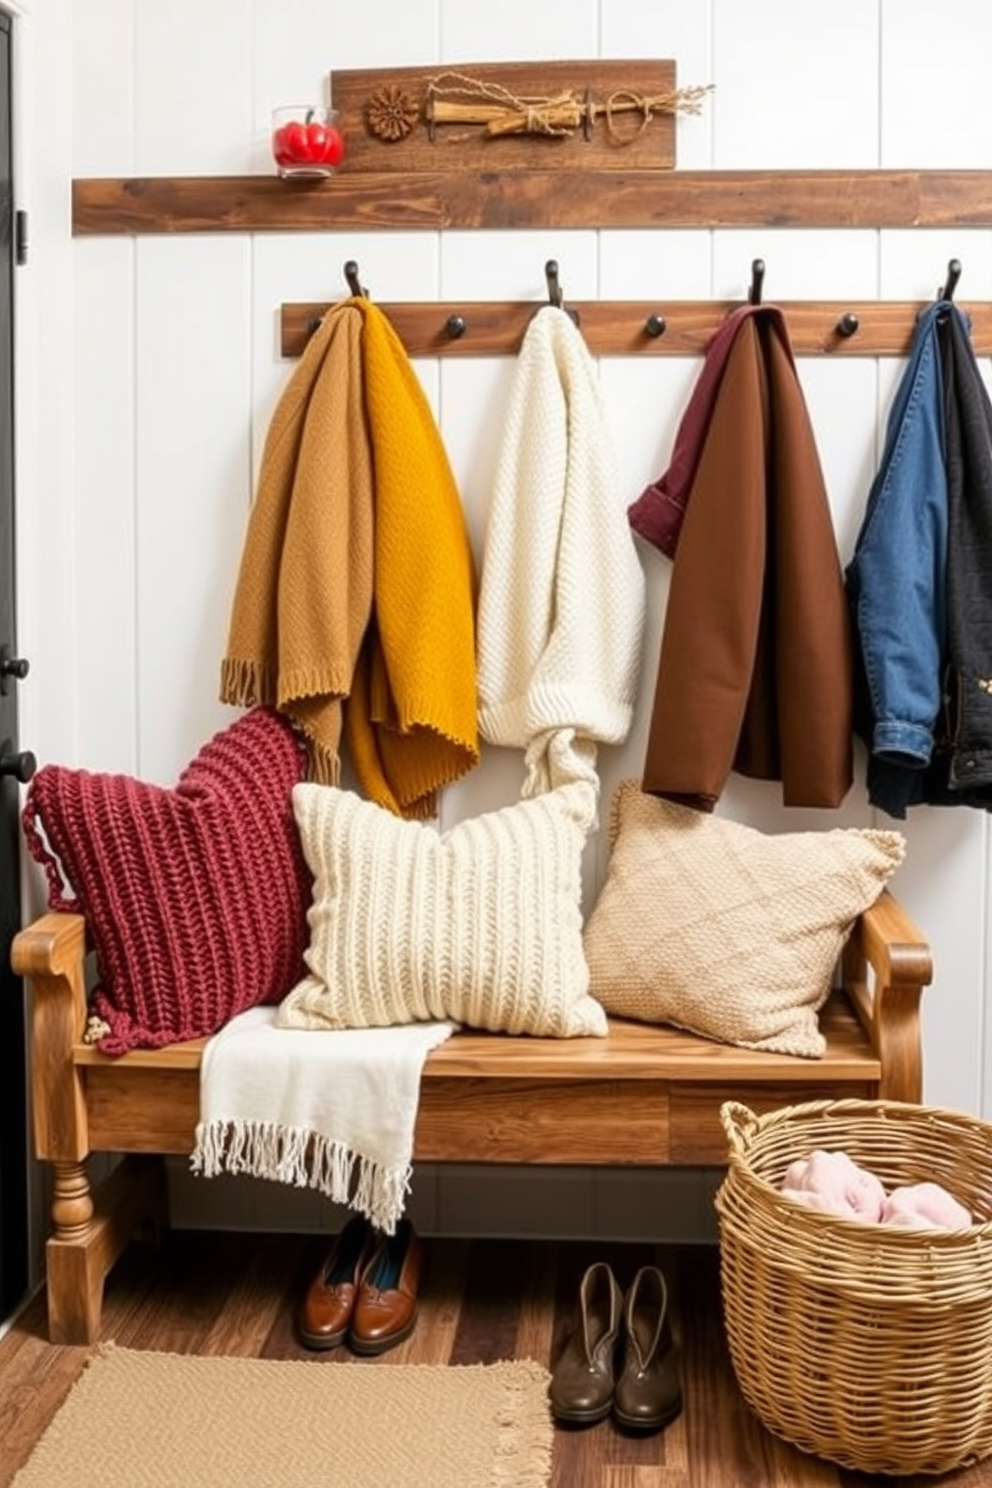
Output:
x=755 y=671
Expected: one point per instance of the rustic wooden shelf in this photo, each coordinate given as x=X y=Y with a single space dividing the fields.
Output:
x=619 y=327
x=533 y=198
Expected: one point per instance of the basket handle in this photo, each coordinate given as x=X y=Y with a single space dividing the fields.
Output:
x=740 y=1124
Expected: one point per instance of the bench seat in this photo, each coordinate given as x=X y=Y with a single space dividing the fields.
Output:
x=645 y=1095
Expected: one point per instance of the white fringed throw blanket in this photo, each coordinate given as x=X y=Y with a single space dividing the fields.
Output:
x=331 y=1110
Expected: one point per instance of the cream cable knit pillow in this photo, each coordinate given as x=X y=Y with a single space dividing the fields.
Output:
x=725 y=931
x=481 y=924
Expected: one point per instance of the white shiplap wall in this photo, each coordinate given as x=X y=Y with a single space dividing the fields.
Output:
x=168 y=372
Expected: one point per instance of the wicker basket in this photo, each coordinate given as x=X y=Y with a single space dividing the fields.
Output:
x=865 y=1344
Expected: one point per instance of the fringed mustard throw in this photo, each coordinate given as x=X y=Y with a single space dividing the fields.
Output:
x=353 y=612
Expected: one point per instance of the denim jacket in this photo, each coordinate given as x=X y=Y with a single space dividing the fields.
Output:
x=962 y=772
x=896 y=581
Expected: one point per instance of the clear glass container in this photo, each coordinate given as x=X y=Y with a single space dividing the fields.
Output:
x=306 y=140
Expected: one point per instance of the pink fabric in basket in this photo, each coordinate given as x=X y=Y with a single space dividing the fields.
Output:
x=925 y=1206
x=833 y=1183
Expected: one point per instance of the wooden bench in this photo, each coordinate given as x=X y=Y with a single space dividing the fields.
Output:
x=644 y=1096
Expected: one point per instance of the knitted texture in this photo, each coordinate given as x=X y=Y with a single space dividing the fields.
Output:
x=195 y=897
x=304 y=593
x=481 y=924
x=356 y=592
x=723 y=930
x=562 y=597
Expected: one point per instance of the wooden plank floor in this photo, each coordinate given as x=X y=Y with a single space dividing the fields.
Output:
x=481 y=1301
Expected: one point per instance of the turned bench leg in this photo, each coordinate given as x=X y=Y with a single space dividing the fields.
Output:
x=91 y=1231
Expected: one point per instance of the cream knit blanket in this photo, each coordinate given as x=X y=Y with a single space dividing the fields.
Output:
x=562 y=596
x=333 y=1111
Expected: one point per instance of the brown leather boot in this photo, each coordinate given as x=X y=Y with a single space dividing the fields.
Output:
x=581 y=1388
x=648 y=1394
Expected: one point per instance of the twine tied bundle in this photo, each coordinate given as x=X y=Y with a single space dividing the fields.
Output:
x=455 y=98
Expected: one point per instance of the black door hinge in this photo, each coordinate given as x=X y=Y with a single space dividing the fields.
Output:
x=20 y=237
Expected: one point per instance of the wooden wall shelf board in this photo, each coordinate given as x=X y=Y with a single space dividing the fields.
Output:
x=618 y=328
x=626 y=143
x=432 y=200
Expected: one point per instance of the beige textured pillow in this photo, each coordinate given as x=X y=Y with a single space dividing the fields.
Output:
x=724 y=930
x=481 y=924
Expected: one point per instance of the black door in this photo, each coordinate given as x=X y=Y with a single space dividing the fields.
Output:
x=13 y=767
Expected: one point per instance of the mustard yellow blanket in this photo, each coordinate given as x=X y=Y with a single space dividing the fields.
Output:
x=354 y=610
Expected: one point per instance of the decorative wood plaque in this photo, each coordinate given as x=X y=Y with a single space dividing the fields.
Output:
x=600 y=114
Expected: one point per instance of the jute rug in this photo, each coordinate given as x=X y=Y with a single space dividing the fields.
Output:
x=146 y=1420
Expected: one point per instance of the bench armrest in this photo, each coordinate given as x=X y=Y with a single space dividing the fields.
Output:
x=886 y=965
x=51 y=952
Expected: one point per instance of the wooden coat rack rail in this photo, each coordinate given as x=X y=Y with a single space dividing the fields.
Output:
x=630 y=327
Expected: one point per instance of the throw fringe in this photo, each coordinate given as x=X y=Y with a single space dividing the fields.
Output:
x=324 y=765
x=245 y=684
x=305 y=1159
x=250 y=684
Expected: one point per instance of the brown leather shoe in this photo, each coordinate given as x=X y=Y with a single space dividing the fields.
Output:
x=386 y=1305
x=328 y=1305
x=648 y=1394
x=581 y=1389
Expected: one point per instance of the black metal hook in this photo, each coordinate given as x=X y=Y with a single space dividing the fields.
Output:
x=848 y=324
x=654 y=325
x=556 y=295
x=953 y=275
x=757 y=276
x=456 y=326
x=351 y=275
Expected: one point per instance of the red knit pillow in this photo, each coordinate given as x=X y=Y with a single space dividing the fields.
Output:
x=195 y=898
